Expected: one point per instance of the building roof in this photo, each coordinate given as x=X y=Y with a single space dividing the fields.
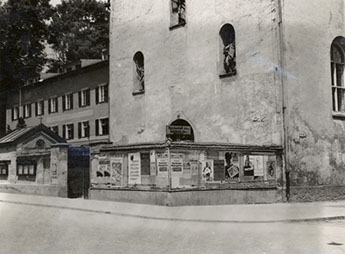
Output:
x=19 y=135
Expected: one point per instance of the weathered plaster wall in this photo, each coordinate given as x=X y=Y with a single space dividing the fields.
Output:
x=316 y=139
x=181 y=72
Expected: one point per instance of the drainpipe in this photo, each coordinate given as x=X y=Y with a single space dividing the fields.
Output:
x=284 y=99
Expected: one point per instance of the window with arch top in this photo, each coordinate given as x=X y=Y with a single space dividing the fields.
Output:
x=227 y=50
x=139 y=73
x=337 y=72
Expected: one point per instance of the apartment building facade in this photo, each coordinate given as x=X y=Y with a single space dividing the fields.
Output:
x=73 y=104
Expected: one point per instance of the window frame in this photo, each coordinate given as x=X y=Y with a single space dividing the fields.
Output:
x=338 y=90
x=66 y=131
x=102 y=89
x=67 y=102
x=27 y=110
x=53 y=101
x=99 y=127
x=28 y=176
x=15 y=110
x=38 y=104
x=84 y=102
x=4 y=165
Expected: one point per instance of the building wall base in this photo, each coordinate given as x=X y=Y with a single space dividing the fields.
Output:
x=32 y=189
x=316 y=193
x=189 y=197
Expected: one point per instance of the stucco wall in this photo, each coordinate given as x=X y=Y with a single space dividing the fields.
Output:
x=182 y=77
x=315 y=139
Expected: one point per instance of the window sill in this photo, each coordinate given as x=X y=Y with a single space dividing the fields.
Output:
x=138 y=92
x=83 y=106
x=177 y=26
x=102 y=102
x=227 y=75
x=338 y=115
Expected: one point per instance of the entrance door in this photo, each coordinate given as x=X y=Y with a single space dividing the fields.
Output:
x=78 y=172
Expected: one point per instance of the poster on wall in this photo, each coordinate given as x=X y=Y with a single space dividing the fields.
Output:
x=162 y=163
x=194 y=165
x=117 y=169
x=134 y=169
x=258 y=165
x=271 y=170
x=103 y=168
x=207 y=171
x=232 y=165
x=187 y=170
x=176 y=162
x=248 y=165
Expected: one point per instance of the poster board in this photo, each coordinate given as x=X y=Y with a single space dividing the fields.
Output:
x=176 y=162
x=116 y=164
x=162 y=163
x=134 y=168
x=207 y=171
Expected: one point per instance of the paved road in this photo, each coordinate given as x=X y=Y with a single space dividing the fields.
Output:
x=39 y=229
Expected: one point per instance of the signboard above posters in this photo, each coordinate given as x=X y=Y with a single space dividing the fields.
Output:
x=178 y=130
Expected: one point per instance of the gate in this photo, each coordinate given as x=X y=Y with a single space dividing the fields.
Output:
x=78 y=172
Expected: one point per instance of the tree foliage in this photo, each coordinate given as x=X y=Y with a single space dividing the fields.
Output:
x=23 y=31
x=79 y=29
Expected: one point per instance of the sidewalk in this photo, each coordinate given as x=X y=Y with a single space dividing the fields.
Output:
x=268 y=213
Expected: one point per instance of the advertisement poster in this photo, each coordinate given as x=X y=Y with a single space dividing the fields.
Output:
x=207 y=171
x=117 y=169
x=134 y=170
x=103 y=168
x=162 y=162
x=232 y=165
x=248 y=166
x=271 y=170
x=194 y=167
x=258 y=165
x=176 y=162
x=187 y=170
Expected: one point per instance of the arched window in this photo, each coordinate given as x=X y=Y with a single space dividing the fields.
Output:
x=180 y=130
x=139 y=73
x=227 y=51
x=178 y=13
x=337 y=71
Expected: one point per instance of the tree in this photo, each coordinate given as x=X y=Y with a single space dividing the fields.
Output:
x=79 y=29
x=23 y=31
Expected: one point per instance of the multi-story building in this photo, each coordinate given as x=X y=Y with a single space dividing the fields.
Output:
x=74 y=104
x=224 y=102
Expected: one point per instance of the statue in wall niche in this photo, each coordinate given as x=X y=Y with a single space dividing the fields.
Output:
x=140 y=75
x=229 y=58
x=179 y=7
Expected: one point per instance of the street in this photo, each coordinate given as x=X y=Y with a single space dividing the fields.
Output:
x=27 y=228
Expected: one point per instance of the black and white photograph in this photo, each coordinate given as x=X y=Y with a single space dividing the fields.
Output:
x=172 y=126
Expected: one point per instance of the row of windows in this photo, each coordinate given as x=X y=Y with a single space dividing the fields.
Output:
x=101 y=129
x=227 y=51
x=26 y=170
x=67 y=103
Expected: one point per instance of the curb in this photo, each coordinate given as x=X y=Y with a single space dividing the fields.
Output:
x=317 y=219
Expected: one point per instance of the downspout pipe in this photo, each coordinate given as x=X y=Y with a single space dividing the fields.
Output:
x=284 y=96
